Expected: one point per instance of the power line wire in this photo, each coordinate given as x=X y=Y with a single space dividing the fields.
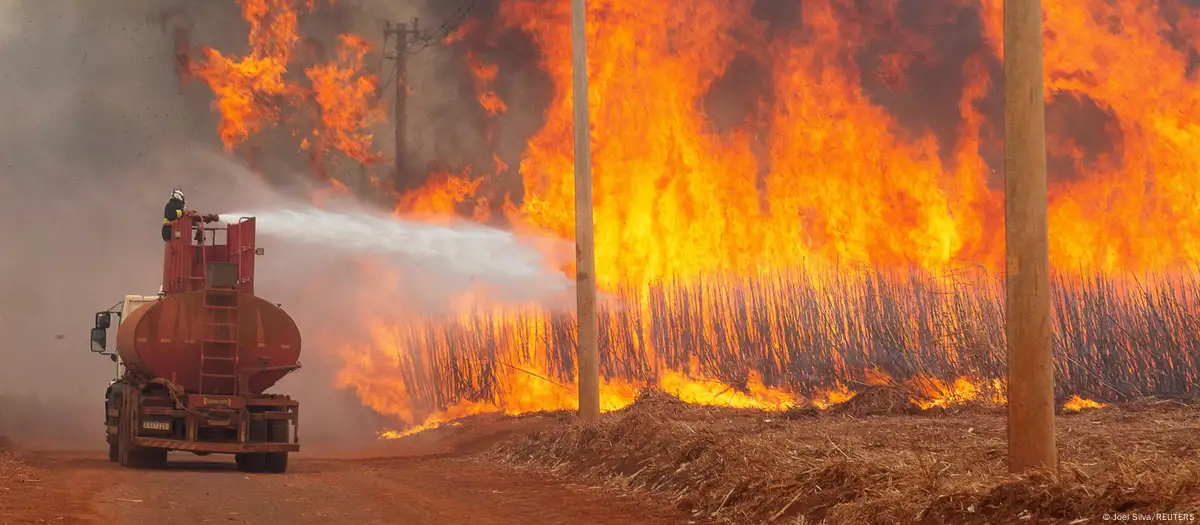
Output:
x=379 y=90
x=449 y=25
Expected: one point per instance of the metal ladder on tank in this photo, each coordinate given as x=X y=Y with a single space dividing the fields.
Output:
x=219 y=348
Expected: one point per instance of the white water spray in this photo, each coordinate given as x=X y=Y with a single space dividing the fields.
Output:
x=467 y=253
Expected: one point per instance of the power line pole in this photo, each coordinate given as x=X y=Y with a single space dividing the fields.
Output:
x=1031 y=440
x=588 y=358
x=402 y=33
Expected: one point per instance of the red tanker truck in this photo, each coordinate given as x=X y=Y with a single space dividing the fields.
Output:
x=194 y=362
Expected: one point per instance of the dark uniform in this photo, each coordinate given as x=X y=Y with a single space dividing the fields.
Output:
x=173 y=210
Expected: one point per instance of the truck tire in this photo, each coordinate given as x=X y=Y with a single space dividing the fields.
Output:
x=150 y=458
x=276 y=462
x=112 y=404
x=124 y=445
x=277 y=432
x=251 y=462
x=131 y=456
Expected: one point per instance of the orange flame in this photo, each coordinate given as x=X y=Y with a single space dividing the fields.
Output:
x=252 y=92
x=1079 y=404
x=820 y=173
x=346 y=102
x=439 y=197
x=841 y=184
x=249 y=91
x=484 y=75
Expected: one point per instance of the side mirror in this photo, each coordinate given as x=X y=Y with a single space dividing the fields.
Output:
x=99 y=340
x=103 y=320
x=112 y=357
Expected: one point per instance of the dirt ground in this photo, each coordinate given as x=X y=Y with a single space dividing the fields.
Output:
x=84 y=488
x=429 y=479
x=660 y=462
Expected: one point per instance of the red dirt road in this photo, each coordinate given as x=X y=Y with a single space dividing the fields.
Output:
x=84 y=488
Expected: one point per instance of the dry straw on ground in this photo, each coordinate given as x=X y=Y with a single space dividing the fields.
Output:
x=739 y=466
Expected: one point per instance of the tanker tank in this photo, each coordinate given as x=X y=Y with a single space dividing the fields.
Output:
x=164 y=339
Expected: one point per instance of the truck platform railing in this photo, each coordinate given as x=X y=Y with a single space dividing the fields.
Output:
x=196 y=251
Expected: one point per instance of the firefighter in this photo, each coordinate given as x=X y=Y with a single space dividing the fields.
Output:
x=174 y=210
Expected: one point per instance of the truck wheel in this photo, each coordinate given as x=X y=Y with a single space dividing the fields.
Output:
x=124 y=446
x=131 y=456
x=251 y=462
x=144 y=458
x=150 y=458
x=277 y=432
x=112 y=416
x=276 y=462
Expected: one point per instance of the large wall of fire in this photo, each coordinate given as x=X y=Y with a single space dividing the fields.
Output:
x=745 y=136
x=729 y=134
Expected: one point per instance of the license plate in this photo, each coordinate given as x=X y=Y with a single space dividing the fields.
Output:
x=156 y=425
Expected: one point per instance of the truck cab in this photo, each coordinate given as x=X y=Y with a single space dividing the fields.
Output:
x=104 y=320
x=99 y=339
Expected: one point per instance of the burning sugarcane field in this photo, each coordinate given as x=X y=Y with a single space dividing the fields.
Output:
x=800 y=262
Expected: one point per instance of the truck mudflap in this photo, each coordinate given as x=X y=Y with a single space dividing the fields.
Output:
x=216 y=448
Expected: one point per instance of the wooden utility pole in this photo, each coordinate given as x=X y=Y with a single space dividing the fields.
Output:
x=401 y=33
x=1031 y=440
x=585 y=243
